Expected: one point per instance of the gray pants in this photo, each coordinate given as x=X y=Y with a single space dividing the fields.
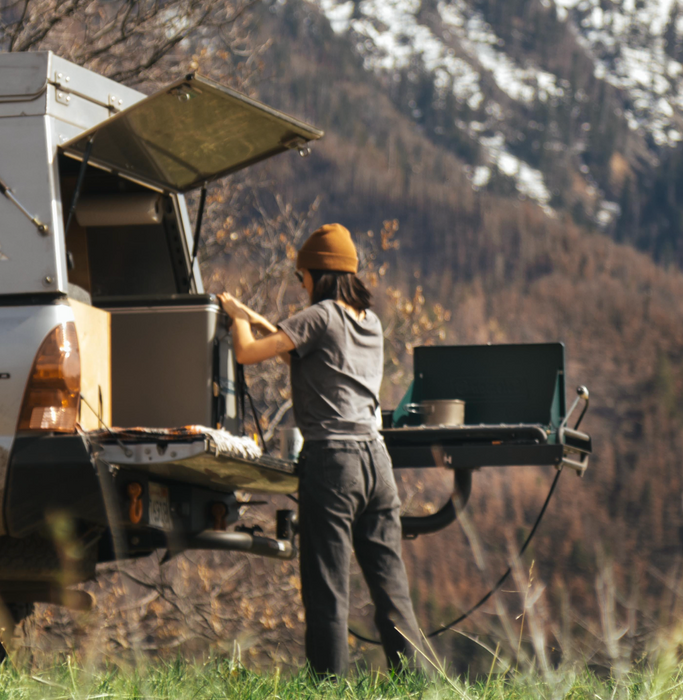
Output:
x=348 y=501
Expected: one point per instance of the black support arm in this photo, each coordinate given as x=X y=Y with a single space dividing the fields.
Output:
x=413 y=526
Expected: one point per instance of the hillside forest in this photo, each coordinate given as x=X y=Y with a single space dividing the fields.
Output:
x=449 y=261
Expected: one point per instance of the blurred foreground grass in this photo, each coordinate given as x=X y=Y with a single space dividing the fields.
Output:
x=181 y=680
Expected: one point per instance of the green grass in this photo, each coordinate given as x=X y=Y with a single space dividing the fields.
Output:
x=181 y=680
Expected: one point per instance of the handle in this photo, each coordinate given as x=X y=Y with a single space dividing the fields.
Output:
x=418 y=408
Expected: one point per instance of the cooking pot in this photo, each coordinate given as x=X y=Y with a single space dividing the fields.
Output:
x=439 y=411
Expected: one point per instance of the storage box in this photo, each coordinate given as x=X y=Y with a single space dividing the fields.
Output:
x=172 y=362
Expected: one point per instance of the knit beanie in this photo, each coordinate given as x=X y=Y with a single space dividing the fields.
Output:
x=328 y=248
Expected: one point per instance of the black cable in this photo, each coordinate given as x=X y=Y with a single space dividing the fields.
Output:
x=583 y=413
x=241 y=381
x=495 y=589
x=256 y=415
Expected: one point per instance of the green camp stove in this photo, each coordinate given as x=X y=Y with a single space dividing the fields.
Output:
x=515 y=415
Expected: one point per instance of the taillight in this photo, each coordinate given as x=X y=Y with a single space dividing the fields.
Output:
x=54 y=385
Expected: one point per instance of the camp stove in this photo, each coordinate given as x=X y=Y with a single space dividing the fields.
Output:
x=515 y=415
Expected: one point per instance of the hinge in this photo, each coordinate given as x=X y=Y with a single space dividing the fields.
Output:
x=61 y=83
x=62 y=97
x=61 y=80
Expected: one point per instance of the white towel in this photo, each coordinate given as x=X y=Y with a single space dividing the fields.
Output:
x=228 y=445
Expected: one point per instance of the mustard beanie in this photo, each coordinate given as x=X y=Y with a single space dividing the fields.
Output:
x=328 y=248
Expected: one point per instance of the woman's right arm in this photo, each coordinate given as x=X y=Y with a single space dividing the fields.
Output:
x=265 y=326
x=262 y=324
x=250 y=349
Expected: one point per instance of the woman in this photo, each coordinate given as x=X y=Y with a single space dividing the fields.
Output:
x=347 y=493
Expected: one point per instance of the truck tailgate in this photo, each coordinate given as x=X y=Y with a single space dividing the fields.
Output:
x=198 y=455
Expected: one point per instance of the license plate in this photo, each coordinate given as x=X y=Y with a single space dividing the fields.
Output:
x=159 y=507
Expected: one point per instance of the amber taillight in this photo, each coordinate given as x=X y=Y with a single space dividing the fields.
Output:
x=53 y=389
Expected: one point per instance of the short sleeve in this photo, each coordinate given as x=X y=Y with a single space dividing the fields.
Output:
x=306 y=328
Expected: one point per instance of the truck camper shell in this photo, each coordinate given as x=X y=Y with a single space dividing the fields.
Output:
x=186 y=135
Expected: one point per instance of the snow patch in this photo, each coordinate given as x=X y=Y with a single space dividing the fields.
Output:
x=627 y=41
x=481 y=176
x=522 y=84
x=338 y=14
x=607 y=213
x=528 y=180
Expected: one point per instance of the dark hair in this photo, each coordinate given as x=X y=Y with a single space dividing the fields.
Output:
x=340 y=286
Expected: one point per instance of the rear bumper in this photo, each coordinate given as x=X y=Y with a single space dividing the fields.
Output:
x=63 y=473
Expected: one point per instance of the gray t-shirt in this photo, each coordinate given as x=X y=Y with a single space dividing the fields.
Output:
x=336 y=370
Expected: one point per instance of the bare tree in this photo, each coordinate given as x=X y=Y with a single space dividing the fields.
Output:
x=250 y=252
x=126 y=40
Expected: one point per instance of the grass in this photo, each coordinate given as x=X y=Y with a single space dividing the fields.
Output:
x=215 y=679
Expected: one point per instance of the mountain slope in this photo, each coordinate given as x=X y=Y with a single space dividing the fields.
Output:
x=577 y=105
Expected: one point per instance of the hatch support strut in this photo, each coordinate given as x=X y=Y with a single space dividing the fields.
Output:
x=4 y=189
x=79 y=182
x=198 y=227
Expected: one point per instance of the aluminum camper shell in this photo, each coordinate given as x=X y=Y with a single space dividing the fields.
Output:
x=186 y=135
x=45 y=101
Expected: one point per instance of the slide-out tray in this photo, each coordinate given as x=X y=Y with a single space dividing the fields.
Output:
x=471 y=446
x=192 y=455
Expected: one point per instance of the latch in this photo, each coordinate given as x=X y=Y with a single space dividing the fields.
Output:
x=298 y=143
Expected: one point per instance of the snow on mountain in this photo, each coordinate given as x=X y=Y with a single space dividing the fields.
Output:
x=528 y=180
x=453 y=41
x=523 y=84
x=391 y=36
x=394 y=37
x=629 y=47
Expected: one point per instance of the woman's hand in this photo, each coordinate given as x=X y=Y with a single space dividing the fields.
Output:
x=248 y=351
x=232 y=307
x=236 y=309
